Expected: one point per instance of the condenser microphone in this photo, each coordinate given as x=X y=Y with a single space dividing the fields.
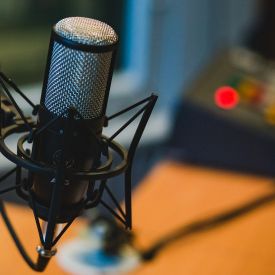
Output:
x=70 y=161
x=76 y=83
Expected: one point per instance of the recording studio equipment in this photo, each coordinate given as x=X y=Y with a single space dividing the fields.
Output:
x=78 y=76
x=242 y=137
x=67 y=158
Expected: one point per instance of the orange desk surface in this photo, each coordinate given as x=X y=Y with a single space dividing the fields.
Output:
x=170 y=196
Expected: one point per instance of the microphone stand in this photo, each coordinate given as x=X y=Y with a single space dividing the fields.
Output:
x=42 y=259
x=53 y=214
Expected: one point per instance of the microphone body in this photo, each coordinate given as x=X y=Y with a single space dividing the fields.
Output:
x=77 y=79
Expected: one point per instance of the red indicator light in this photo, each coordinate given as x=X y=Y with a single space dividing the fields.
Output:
x=226 y=97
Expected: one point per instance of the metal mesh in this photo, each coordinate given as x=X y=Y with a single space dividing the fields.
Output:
x=86 y=31
x=76 y=78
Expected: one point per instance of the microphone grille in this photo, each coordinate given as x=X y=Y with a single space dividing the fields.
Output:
x=86 y=31
x=78 y=78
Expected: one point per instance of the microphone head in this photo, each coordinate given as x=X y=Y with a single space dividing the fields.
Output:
x=86 y=31
x=79 y=67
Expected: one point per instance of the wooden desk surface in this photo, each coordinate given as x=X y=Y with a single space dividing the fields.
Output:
x=170 y=196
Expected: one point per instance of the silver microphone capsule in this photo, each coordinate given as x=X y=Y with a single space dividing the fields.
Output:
x=79 y=67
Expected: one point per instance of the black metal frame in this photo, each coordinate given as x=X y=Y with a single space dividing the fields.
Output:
x=102 y=173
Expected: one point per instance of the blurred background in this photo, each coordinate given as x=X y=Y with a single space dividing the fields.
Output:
x=182 y=50
x=164 y=46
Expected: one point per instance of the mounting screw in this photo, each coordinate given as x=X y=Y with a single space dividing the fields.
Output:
x=44 y=252
x=105 y=121
x=35 y=110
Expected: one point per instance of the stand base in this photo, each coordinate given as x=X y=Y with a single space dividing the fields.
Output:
x=83 y=257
